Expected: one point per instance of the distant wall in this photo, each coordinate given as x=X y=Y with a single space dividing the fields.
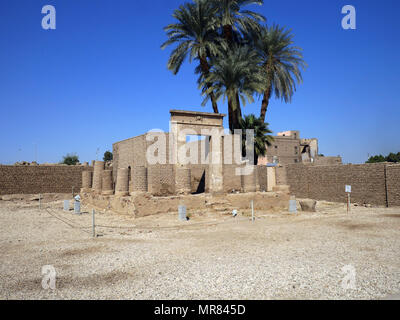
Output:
x=377 y=184
x=287 y=149
x=40 y=179
x=393 y=185
x=281 y=178
x=327 y=161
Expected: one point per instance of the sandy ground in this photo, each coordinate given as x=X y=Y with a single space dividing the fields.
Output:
x=280 y=256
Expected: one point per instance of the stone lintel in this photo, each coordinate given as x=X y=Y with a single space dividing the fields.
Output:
x=197 y=118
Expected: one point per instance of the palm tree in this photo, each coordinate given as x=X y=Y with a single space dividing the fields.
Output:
x=196 y=36
x=262 y=137
x=233 y=19
x=236 y=76
x=282 y=63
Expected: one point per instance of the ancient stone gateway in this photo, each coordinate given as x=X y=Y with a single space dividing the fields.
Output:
x=210 y=125
x=179 y=162
x=157 y=171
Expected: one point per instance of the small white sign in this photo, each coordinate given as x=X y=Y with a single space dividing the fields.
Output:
x=348 y=189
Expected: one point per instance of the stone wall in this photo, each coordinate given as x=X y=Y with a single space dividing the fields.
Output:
x=131 y=153
x=327 y=161
x=376 y=184
x=232 y=182
x=281 y=178
x=40 y=179
x=393 y=185
x=141 y=206
x=161 y=180
x=286 y=149
x=262 y=178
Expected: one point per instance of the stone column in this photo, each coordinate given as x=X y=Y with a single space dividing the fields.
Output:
x=139 y=177
x=249 y=181
x=258 y=173
x=271 y=178
x=98 y=176
x=183 y=183
x=216 y=179
x=107 y=183
x=122 y=185
x=86 y=181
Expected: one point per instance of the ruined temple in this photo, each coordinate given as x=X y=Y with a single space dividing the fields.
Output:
x=149 y=167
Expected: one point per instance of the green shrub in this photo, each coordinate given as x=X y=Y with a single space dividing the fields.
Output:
x=392 y=157
x=108 y=156
x=70 y=159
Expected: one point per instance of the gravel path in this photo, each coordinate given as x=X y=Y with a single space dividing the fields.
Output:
x=211 y=257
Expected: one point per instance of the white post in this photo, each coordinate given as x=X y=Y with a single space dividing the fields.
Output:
x=40 y=202
x=348 y=191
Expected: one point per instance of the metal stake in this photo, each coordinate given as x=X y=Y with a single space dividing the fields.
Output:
x=40 y=202
x=93 y=224
x=252 y=211
x=348 y=203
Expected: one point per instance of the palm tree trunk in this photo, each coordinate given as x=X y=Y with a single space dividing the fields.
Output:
x=228 y=33
x=205 y=68
x=214 y=102
x=237 y=113
x=230 y=115
x=234 y=115
x=255 y=159
x=265 y=103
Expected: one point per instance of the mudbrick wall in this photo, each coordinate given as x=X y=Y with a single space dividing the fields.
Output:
x=377 y=184
x=393 y=185
x=232 y=181
x=40 y=179
x=281 y=178
x=161 y=180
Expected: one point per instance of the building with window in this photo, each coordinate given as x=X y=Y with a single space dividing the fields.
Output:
x=289 y=148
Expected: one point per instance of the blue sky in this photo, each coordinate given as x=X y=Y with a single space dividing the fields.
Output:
x=101 y=77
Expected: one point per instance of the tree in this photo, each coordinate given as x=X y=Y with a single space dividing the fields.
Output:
x=70 y=159
x=233 y=18
x=262 y=137
x=235 y=21
x=108 y=156
x=236 y=76
x=393 y=157
x=195 y=36
x=282 y=63
x=376 y=159
x=213 y=31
